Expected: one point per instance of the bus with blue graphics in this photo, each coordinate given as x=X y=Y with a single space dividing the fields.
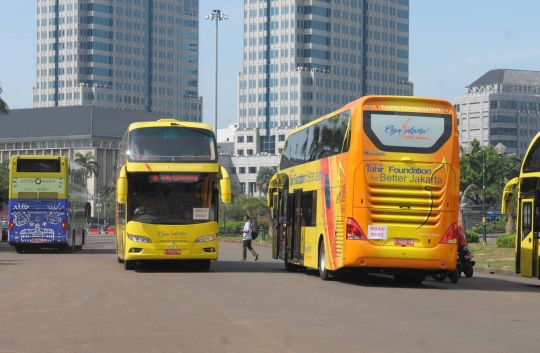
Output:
x=47 y=203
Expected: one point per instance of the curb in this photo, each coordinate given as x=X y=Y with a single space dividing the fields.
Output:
x=240 y=242
x=496 y=271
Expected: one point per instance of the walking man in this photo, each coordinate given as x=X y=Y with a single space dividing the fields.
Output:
x=246 y=239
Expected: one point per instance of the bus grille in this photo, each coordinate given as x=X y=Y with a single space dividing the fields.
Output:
x=412 y=205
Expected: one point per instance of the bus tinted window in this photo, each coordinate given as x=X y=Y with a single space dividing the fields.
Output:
x=532 y=161
x=169 y=144
x=326 y=138
x=38 y=165
x=422 y=133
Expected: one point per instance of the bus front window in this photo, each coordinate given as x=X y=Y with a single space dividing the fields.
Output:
x=171 y=198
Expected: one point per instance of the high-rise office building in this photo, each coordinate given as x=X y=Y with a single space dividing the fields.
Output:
x=305 y=58
x=501 y=106
x=137 y=55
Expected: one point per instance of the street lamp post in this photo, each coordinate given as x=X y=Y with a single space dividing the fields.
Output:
x=217 y=16
x=499 y=149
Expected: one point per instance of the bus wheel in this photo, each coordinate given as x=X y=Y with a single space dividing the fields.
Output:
x=70 y=248
x=323 y=272
x=79 y=247
x=129 y=265
x=454 y=275
x=19 y=249
x=204 y=265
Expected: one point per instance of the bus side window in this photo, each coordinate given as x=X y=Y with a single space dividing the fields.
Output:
x=121 y=213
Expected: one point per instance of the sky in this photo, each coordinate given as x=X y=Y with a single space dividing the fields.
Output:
x=452 y=43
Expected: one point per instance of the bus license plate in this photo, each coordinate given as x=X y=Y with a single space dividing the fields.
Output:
x=406 y=242
x=172 y=252
x=37 y=240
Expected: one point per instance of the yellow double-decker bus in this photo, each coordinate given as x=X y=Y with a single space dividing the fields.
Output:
x=168 y=187
x=371 y=187
x=527 y=187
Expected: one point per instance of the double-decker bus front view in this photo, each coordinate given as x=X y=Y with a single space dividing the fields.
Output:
x=168 y=188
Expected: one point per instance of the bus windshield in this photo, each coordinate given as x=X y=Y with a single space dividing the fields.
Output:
x=170 y=144
x=171 y=198
x=532 y=160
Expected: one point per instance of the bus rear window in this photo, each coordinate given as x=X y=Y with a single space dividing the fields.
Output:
x=38 y=165
x=404 y=132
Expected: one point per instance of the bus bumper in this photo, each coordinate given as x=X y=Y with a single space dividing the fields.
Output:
x=365 y=255
x=138 y=251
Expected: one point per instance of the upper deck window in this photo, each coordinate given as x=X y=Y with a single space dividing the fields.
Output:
x=532 y=161
x=404 y=132
x=171 y=144
x=38 y=165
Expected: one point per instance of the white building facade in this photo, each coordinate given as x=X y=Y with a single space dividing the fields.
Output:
x=502 y=106
x=139 y=55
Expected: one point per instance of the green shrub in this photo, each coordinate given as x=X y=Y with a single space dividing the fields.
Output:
x=231 y=228
x=472 y=237
x=506 y=241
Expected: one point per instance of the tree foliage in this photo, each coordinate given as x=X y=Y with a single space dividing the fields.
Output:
x=264 y=176
x=88 y=162
x=4 y=108
x=499 y=170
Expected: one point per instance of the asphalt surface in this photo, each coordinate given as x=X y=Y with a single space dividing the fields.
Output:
x=87 y=302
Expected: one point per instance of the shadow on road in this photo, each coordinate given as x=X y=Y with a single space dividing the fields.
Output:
x=98 y=251
x=216 y=267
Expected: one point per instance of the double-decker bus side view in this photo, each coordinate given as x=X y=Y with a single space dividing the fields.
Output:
x=47 y=203
x=372 y=187
x=168 y=191
x=527 y=188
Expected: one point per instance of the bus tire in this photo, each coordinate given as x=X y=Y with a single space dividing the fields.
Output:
x=129 y=265
x=70 y=249
x=19 y=249
x=454 y=275
x=204 y=265
x=323 y=272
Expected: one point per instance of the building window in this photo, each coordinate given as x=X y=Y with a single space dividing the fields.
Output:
x=280 y=150
x=252 y=188
x=250 y=152
x=233 y=170
x=240 y=152
x=240 y=139
x=243 y=186
x=281 y=138
x=252 y=170
x=242 y=170
x=250 y=139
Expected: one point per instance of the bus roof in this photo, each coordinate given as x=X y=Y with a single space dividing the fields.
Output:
x=35 y=156
x=169 y=122
x=358 y=103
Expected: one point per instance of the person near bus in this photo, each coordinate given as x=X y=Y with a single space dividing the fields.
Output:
x=246 y=239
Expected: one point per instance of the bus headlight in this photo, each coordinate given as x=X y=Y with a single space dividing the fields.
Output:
x=206 y=238
x=139 y=238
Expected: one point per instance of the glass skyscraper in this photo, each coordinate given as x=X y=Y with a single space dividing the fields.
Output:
x=303 y=59
x=126 y=54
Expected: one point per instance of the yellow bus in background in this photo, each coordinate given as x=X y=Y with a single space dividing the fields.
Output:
x=527 y=188
x=168 y=187
x=372 y=187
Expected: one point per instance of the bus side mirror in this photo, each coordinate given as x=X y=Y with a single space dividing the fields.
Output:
x=121 y=187
x=225 y=186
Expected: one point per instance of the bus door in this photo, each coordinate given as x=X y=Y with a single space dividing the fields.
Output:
x=297 y=232
x=278 y=227
x=526 y=238
x=292 y=232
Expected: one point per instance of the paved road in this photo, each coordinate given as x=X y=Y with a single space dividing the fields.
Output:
x=87 y=302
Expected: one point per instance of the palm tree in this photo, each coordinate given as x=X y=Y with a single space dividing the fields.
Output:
x=4 y=109
x=263 y=178
x=87 y=161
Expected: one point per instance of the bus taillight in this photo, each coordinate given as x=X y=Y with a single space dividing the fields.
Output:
x=10 y=225
x=354 y=232
x=451 y=235
x=64 y=224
